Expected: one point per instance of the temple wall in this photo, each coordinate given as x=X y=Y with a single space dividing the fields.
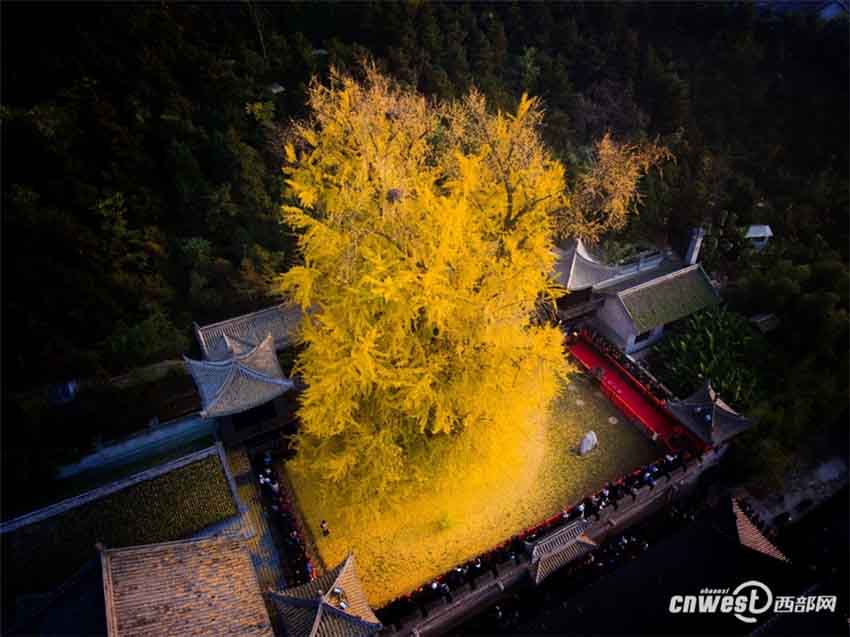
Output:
x=442 y=616
x=616 y=322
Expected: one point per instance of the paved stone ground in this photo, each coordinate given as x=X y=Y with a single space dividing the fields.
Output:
x=255 y=524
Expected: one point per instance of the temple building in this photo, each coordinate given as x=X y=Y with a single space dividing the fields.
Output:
x=208 y=586
x=631 y=303
x=189 y=587
x=706 y=415
x=333 y=605
x=554 y=551
x=634 y=314
x=250 y=329
x=241 y=381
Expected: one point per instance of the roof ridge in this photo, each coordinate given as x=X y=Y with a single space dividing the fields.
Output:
x=253 y=373
x=348 y=616
x=571 y=268
x=317 y=621
x=235 y=358
x=234 y=368
x=245 y=317
x=108 y=594
x=208 y=364
x=343 y=566
x=714 y=400
x=660 y=279
x=138 y=548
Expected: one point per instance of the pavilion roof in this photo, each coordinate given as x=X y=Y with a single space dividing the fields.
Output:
x=280 y=321
x=558 y=548
x=250 y=377
x=551 y=562
x=668 y=298
x=576 y=269
x=705 y=414
x=333 y=605
x=190 y=587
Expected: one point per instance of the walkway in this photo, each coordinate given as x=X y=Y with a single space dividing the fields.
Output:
x=260 y=539
x=626 y=395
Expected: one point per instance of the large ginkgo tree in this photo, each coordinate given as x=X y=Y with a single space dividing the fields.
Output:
x=426 y=233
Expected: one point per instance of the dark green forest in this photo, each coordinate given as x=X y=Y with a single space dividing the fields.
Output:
x=142 y=154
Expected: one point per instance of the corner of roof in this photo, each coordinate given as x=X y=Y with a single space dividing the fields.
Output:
x=707 y=279
x=584 y=539
x=762 y=544
x=108 y=597
x=571 y=267
x=342 y=569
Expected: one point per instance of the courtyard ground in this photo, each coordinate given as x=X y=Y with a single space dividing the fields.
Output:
x=450 y=523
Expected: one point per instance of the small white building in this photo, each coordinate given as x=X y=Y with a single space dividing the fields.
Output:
x=758 y=236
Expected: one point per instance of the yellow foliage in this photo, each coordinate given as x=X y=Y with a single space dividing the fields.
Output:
x=523 y=473
x=426 y=242
x=604 y=195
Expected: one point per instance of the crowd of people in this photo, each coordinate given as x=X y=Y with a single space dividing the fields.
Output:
x=633 y=368
x=512 y=611
x=464 y=575
x=282 y=515
x=443 y=589
x=611 y=554
x=613 y=492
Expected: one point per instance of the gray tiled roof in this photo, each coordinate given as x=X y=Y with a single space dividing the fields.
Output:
x=297 y=615
x=337 y=623
x=576 y=270
x=314 y=609
x=318 y=619
x=247 y=379
x=558 y=548
x=668 y=265
x=551 y=562
x=280 y=321
x=705 y=414
x=668 y=298
x=191 y=587
x=559 y=539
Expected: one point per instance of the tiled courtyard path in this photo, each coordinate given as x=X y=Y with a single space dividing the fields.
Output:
x=257 y=532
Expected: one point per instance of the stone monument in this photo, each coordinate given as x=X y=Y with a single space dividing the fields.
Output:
x=588 y=443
